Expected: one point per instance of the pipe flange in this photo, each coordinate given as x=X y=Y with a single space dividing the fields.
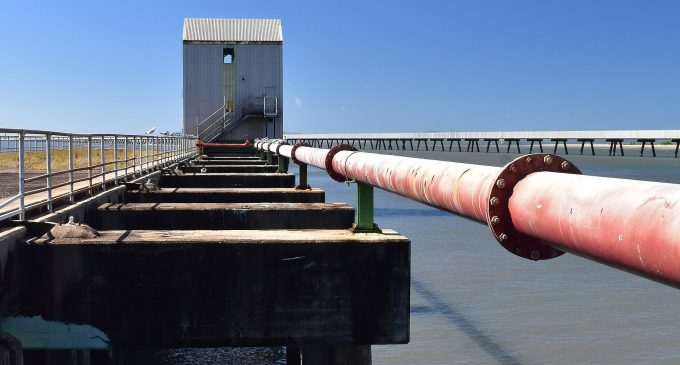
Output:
x=292 y=152
x=282 y=143
x=499 y=219
x=329 y=161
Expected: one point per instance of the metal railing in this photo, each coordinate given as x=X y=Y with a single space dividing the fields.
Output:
x=121 y=158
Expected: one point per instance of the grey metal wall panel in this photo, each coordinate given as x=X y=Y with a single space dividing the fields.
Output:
x=258 y=66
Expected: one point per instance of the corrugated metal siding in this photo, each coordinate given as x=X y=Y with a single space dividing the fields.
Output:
x=257 y=67
x=232 y=30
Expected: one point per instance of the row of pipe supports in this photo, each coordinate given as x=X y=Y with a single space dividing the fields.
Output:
x=364 y=220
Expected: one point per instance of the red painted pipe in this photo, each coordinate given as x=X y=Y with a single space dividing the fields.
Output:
x=629 y=224
x=633 y=225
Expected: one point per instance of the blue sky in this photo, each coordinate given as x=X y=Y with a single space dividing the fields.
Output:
x=352 y=66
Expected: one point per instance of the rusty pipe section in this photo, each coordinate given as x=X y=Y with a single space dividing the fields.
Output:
x=459 y=188
x=629 y=224
x=311 y=156
x=537 y=206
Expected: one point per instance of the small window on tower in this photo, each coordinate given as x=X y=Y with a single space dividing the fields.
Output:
x=228 y=55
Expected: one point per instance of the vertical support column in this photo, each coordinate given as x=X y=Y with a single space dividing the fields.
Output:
x=302 y=184
x=48 y=170
x=283 y=164
x=70 y=168
x=270 y=158
x=22 y=173
x=364 y=215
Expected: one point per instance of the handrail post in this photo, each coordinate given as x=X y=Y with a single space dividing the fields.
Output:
x=70 y=168
x=103 y=161
x=145 y=161
x=115 y=160
x=89 y=163
x=22 y=172
x=48 y=168
x=125 y=144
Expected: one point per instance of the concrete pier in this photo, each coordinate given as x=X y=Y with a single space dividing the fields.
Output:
x=212 y=259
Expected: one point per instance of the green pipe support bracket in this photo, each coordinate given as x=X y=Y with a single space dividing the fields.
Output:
x=364 y=213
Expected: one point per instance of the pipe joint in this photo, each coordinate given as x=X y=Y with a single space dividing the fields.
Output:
x=292 y=152
x=329 y=161
x=499 y=219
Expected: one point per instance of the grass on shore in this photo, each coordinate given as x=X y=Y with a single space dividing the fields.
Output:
x=36 y=161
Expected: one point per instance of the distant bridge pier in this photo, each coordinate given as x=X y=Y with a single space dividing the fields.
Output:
x=471 y=143
x=644 y=142
x=534 y=140
x=509 y=141
x=583 y=143
x=441 y=143
x=457 y=140
x=557 y=142
x=488 y=144
x=613 y=143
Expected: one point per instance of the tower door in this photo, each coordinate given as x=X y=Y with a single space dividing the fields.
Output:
x=270 y=102
x=229 y=85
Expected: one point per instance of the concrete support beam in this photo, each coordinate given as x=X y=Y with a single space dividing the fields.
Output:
x=210 y=169
x=228 y=180
x=223 y=216
x=228 y=162
x=226 y=195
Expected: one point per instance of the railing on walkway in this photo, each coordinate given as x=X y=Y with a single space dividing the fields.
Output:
x=69 y=163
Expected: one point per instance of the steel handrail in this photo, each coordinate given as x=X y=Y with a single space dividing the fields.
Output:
x=148 y=153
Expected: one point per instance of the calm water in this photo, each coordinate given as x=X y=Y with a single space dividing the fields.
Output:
x=472 y=302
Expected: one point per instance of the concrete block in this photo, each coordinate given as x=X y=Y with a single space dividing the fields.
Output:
x=228 y=180
x=223 y=216
x=226 y=195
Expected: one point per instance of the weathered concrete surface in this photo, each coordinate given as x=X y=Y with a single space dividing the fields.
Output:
x=228 y=180
x=167 y=289
x=223 y=216
x=226 y=195
x=11 y=246
x=230 y=168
